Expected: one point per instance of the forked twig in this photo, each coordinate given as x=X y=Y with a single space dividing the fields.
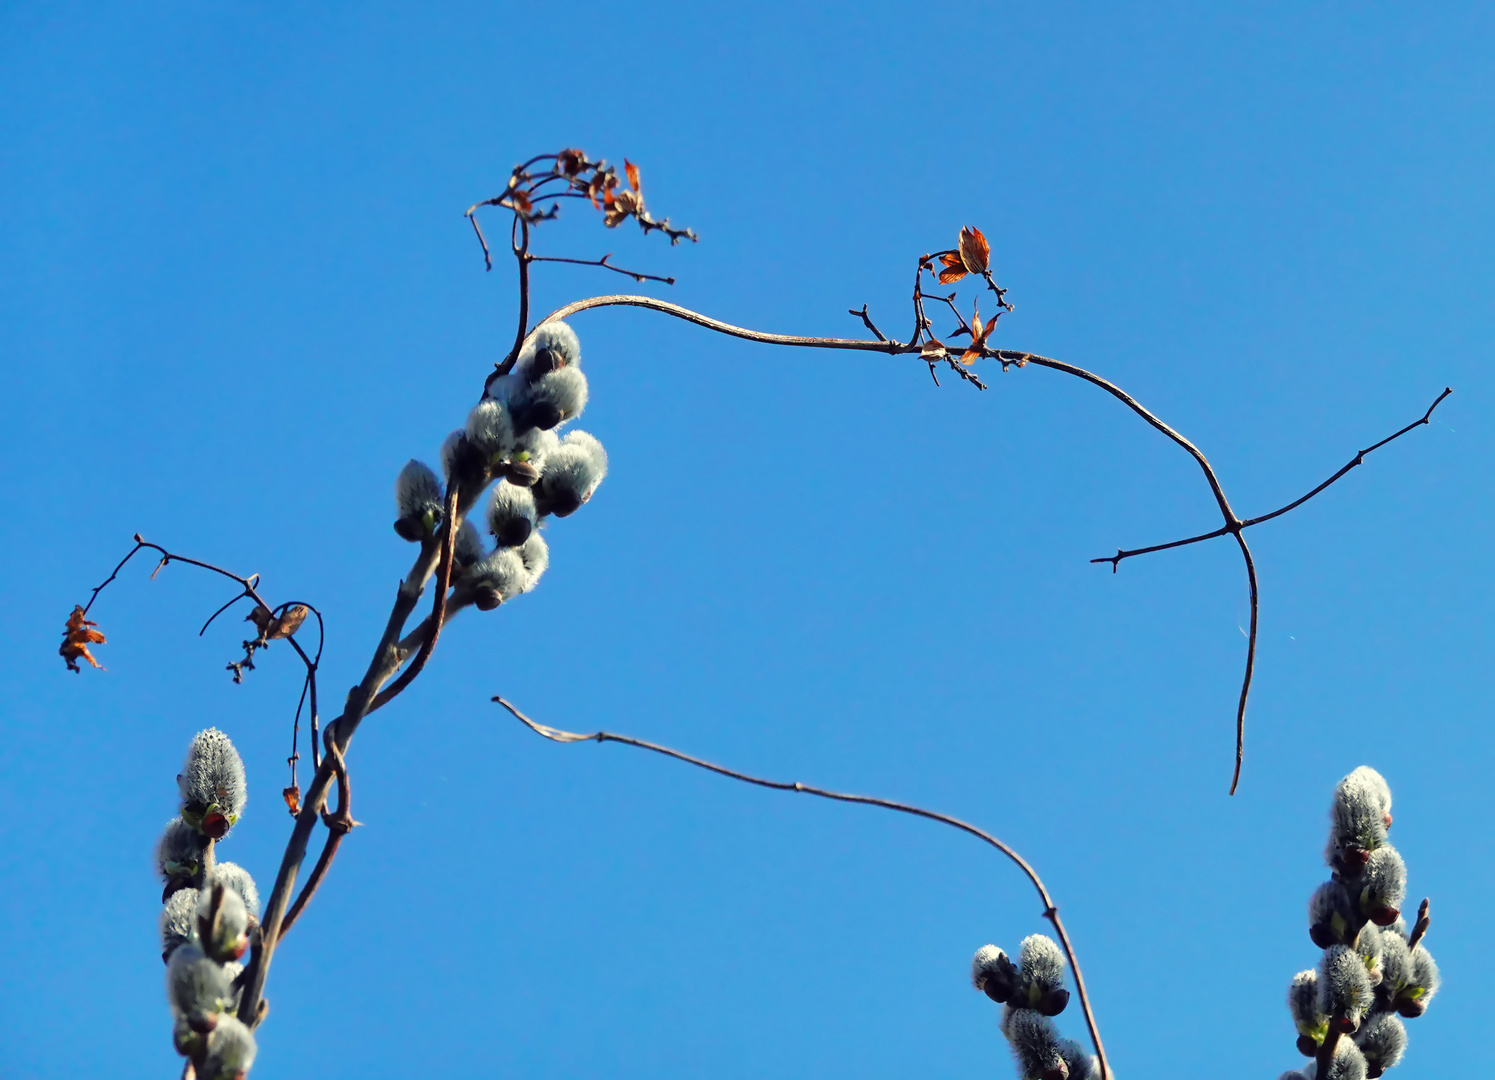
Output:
x=1050 y=909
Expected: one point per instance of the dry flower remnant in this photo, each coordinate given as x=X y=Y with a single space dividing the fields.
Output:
x=79 y=635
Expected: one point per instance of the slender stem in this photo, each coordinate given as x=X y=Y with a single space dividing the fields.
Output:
x=381 y=667
x=1050 y=909
x=1358 y=459
x=1240 y=712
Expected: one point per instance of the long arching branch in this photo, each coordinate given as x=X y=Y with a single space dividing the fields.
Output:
x=1232 y=523
x=1050 y=909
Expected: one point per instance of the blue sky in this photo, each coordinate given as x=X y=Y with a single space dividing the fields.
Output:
x=237 y=293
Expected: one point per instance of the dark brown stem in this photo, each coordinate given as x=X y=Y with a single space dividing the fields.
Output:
x=1358 y=459
x=338 y=824
x=382 y=667
x=604 y=264
x=438 y=610
x=1050 y=909
x=1325 y=1056
x=1424 y=920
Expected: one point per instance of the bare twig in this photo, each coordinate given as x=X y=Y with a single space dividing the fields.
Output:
x=338 y=826
x=385 y=662
x=602 y=262
x=1358 y=459
x=1050 y=909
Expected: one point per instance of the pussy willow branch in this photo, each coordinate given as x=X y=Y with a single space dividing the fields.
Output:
x=1232 y=523
x=435 y=556
x=1050 y=909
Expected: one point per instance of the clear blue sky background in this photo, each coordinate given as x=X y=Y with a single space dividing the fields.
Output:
x=237 y=293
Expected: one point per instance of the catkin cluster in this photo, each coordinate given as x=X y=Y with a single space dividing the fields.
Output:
x=210 y=911
x=1030 y=992
x=510 y=438
x=1369 y=977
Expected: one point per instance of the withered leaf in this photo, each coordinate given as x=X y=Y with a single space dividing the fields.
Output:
x=932 y=351
x=979 y=334
x=975 y=252
x=76 y=639
x=570 y=161
x=289 y=622
x=954 y=270
x=632 y=170
x=292 y=796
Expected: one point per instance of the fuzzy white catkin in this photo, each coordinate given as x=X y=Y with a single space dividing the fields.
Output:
x=535 y=554
x=565 y=389
x=1383 y=1041
x=417 y=490
x=1042 y=962
x=196 y=986
x=1348 y=1063
x=1375 y=783
x=231 y=1051
x=178 y=921
x=214 y=774
x=491 y=429
x=511 y=514
x=1383 y=881
x=1358 y=817
x=1396 y=961
x=985 y=960
x=1302 y=1002
x=536 y=446
x=571 y=475
x=227 y=936
x=469 y=545
x=1344 y=986
x=451 y=452
x=181 y=853
x=1082 y=1064
x=1371 y=948
x=502 y=570
x=1034 y=1042
x=1331 y=915
x=236 y=878
x=555 y=335
x=1425 y=974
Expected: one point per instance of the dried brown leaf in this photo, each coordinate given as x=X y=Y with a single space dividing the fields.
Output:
x=76 y=639
x=292 y=796
x=954 y=269
x=289 y=622
x=975 y=252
